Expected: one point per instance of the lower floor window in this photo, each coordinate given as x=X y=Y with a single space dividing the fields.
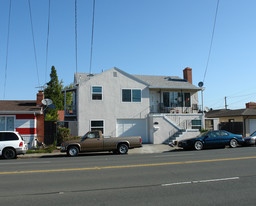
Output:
x=196 y=124
x=6 y=123
x=97 y=125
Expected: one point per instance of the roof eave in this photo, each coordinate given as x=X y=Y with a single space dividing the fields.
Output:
x=176 y=88
x=21 y=112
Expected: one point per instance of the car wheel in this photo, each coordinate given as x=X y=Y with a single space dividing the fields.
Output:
x=198 y=145
x=9 y=153
x=122 y=148
x=233 y=143
x=72 y=151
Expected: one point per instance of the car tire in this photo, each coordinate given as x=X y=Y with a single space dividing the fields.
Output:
x=9 y=153
x=122 y=148
x=233 y=143
x=198 y=145
x=72 y=151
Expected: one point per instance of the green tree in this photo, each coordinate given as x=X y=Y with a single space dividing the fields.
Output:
x=53 y=92
x=69 y=95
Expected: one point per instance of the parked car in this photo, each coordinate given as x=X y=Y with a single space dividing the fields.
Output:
x=11 y=144
x=94 y=141
x=251 y=140
x=212 y=139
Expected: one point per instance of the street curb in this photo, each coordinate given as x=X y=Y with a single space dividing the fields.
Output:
x=145 y=149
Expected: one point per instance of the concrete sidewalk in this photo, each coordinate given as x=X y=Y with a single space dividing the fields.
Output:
x=145 y=149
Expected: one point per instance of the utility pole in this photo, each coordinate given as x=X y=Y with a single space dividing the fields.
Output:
x=226 y=106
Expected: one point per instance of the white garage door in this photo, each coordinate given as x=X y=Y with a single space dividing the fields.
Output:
x=252 y=125
x=132 y=127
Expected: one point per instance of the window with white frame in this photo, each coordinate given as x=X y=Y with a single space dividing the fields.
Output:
x=96 y=92
x=196 y=124
x=6 y=123
x=131 y=95
x=97 y=125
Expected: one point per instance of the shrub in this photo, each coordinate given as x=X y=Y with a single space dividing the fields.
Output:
x=62 y=134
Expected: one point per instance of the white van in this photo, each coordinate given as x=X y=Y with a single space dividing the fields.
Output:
x=11 y=144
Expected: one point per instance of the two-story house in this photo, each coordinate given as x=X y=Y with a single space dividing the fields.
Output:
x=121 y=104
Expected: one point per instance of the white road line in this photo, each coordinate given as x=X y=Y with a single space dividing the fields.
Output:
x=216 y=180
x=201 y=181
x=177 y=183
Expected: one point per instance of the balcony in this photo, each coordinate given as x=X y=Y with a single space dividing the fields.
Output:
x=160 y=108
x=70 y=111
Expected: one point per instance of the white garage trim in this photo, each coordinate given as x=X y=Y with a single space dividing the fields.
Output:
x=252 y=125
x=132 y=127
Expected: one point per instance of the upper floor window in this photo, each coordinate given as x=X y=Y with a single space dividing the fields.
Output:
x=96 y=92
x=131 y=95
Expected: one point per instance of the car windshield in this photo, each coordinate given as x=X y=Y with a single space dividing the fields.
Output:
x=83 y=137
x=253 y=134
x=202 y=134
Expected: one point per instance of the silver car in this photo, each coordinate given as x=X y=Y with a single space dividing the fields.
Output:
x=251 y=140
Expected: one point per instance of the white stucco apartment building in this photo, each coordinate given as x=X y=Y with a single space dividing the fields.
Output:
x=120 y=104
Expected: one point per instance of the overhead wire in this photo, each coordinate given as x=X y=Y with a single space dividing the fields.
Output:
x=92 y=36
x=210 y=49
x=238 y=96
x=239 y=101
x=47 y=41
x=7 y=47
x=76 y=31
x=34 y=44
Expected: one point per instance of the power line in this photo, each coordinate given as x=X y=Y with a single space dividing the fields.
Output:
x=213 y=31
x=92 y=36
x=7 y=47
x=76 y=31
x=47 y=41
x=242 y=95
x=34 y=44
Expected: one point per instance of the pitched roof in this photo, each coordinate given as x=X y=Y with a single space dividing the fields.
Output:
x=82 y=77
x=153 y=81
x=19 y=106
x=166 y=82
x=230 y=113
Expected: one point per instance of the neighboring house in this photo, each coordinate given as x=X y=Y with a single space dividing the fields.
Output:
x=241 y=121
x=120 y=104
x=25 y=117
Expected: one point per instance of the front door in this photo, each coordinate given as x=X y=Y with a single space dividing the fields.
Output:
x=154 y=101
x=92 y=142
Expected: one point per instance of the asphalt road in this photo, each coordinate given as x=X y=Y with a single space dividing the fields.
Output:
x=208 y=177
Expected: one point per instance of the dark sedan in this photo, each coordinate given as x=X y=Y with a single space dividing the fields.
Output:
x=212 y=139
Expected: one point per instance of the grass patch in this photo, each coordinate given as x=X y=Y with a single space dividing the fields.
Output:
x=48 y=149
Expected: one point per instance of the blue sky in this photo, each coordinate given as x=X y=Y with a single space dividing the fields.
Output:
x=151 y=37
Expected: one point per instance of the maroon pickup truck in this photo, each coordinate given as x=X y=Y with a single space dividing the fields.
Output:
x=95 y=142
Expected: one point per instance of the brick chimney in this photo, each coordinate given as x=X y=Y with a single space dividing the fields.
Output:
x=251 y=105
x=39 y=98
x=187 y=74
